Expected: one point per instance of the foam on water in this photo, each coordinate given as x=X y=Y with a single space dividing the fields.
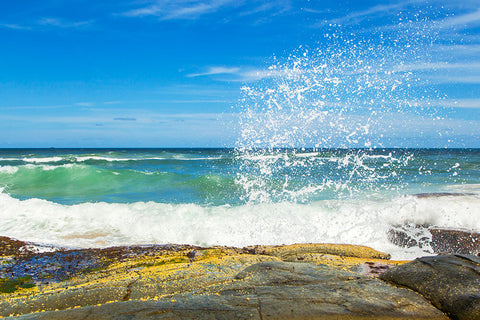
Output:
x=363 y=222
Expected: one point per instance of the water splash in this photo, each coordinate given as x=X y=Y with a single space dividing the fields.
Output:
x=348 y=94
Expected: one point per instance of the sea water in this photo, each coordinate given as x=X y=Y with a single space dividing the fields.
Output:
x=107 y=197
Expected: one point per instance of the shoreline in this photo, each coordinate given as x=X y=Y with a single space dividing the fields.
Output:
x=316 y=281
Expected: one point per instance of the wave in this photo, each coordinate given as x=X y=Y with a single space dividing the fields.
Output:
x=362 y=222
x=80 y=159
x=76 y=183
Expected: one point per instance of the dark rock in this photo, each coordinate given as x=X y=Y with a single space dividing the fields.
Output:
x=374 y=269
x=442 y=194
x=435 y=240
x=11 y=247
x=411 y=235
x=451 y=283
x=454 y=241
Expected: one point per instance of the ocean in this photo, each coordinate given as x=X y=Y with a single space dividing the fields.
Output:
x=236 y=197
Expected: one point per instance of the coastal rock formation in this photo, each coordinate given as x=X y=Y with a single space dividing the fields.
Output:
x=436 y=240
x=303 y=281
x=451 y=283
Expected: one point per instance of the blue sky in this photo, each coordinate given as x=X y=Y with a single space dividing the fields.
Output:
x=160 y=73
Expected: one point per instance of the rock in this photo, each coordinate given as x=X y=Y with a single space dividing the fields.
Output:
x=443 y=194
x=344 y=250
x=271 y=290
x=11 y=247
x=411 y=235
x=451 y=283
x=454 y=241
x=314 y=281
x=435 y=240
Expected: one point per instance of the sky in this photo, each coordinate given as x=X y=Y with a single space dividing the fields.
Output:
x=161 y=73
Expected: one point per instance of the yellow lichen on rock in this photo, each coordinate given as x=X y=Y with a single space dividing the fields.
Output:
x=159 y=277
x=344 y=250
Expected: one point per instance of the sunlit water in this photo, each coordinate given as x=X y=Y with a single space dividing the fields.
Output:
x=96 y=198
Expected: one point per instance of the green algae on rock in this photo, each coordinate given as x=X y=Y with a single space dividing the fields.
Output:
x=12 y=285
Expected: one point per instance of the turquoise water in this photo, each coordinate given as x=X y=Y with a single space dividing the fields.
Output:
x=106 y=197
x=229 y=177
x=238 y=197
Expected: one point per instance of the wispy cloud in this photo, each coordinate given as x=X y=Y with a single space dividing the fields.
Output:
x=125 y=119
x=456 y=79
x=458 y=49
x=440 y=65
x=62 y=23
x=466 y=19
x=85 y=104
x=216 y=71
x=46 y=23
x=15 y=26
x=375 y=11
x=246 y=74
x=195 y=9
x=175 y=9
x=444 y=103
x=459 y=103
x=106 y=118
x=34 y=107
x=58 y=106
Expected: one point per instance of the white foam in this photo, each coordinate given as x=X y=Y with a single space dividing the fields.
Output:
x=87 y=158
x=307 y=155
x=362 y=222
x=43 y=160
x=8 y=169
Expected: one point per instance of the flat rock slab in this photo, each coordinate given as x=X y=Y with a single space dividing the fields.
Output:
x=271 y=290
x=450 y=282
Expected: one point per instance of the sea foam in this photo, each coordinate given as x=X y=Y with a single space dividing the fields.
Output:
x=362 y=222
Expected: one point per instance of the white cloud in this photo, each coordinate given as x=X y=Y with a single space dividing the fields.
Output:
x=460 y=103
x=472 y=18
x=85 y=104
x=216 y=71
x=14 y=26
x=33 y=107
x=48 y=22
x=179 y=9
x=61 y=23
x=377 y=10
x=194 y=9
x=445 y=103
x=430 y=66
x=456 y=79
x=244 y=74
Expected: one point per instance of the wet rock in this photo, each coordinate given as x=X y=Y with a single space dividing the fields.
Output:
x=435 y=240
x=442 y=194
x=411 y=235
x=450 y=282
x=11 y=247
x=454 y=241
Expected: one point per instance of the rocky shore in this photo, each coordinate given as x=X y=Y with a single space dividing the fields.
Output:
x=301 y=281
